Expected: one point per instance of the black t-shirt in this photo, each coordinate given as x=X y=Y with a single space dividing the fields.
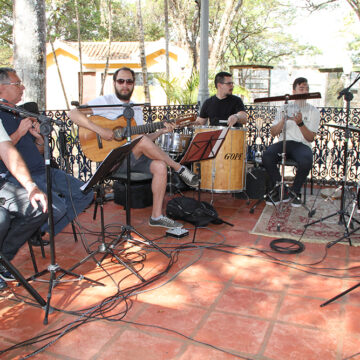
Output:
x=216 y=109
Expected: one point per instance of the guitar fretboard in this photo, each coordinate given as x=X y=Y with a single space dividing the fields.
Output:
x=140 y=129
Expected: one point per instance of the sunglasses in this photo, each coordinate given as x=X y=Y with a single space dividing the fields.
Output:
x=121 y=81
x=18 y=83
x=228 y=83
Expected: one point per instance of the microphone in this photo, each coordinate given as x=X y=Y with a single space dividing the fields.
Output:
x=75 y=103
x=31 y=107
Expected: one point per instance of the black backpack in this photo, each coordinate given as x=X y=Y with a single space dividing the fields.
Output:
x=198 y=213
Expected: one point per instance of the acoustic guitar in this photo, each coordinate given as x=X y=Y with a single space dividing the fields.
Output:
x=95 y=148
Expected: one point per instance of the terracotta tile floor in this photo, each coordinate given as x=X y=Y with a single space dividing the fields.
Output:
x=218 y=298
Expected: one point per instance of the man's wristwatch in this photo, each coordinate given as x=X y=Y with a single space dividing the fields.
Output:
x=300 y=124
x=30 y=186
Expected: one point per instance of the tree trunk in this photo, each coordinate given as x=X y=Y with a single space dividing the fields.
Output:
x=180 y=11
x=142 y=53
x=59 y=73
x=81 y=79
x=29 y=33
x=166 y=14
x=222 y=34
x=109 y=47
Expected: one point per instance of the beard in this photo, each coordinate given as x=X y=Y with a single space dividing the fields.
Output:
x=126 y=96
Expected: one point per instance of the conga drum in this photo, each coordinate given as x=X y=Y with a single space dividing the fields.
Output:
x=226 y=172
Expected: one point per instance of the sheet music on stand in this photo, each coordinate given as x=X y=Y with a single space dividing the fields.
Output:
x=112 y=161
x=204 y=146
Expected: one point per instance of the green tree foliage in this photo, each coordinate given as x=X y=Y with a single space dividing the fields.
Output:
x=259 y=34
x=5 y=55
x=180 y=92
x=62 y=20
x=6 y=22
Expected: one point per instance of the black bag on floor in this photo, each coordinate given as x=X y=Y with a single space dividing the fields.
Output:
x=198 y=213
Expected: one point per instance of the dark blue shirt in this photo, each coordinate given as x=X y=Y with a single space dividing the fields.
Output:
x=26 y=145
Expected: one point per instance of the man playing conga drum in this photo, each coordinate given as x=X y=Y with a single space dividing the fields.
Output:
x=225 y=173
x=223 y=105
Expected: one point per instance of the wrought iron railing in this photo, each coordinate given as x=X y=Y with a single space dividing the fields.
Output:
x=328 y=147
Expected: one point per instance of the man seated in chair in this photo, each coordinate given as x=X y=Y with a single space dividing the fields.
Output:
x=20 y=215
x=223 y=108
x=146 y=157
x=302 y=123
x=67 y=199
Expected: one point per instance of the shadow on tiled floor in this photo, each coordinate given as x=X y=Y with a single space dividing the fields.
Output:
x=221 y=297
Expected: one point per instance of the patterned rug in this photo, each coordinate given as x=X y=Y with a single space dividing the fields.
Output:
x=291 y=221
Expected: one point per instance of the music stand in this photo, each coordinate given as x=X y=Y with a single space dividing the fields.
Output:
x=204 y=146
x=112 y=161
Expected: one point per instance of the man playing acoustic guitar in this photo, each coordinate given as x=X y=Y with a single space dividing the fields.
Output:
x=146 y=156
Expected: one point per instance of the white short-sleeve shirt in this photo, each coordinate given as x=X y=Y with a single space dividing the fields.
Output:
x=113 y=113
x=3 y=134
x=310 y=117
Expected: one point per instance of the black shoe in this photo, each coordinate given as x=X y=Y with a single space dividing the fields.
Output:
x=36 y=242
x=3 y=284
x=6 y=275
x=273 y=199
x=296 y=200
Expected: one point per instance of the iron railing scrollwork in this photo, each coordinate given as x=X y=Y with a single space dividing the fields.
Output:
x=328 y=147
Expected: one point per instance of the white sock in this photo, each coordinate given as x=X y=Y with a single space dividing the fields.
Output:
x=182 y=167
x=157 y=218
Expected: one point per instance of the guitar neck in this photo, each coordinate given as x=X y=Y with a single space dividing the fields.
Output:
x=121 y=133
x=146 y=128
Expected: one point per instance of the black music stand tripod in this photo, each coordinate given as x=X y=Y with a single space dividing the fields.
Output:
x=113 y=160
x=205 y=146
x=128 y=229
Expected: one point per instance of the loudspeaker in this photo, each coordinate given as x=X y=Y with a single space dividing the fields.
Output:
x=257 y=183
x=140 y=194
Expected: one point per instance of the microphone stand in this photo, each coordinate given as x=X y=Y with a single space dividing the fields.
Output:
x=45 y=130
x=348 y=96
x=128 y=228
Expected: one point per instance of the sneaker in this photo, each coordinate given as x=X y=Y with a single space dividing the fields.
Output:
x=3 y=284
x=164 y=221
x=6 y=275
x=296 y=201
x=188 y=177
